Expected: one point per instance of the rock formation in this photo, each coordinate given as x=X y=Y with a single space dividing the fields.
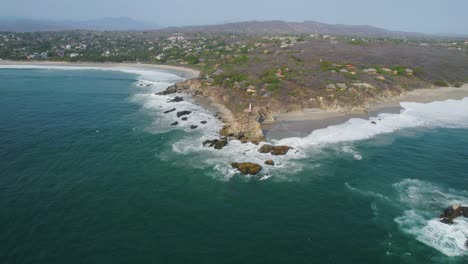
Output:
x=274 y=150
x=270 y=162
x=183 y=113
x=176 y=99
x=247 y=167
x=452 y=212
x=216 y=143
x=168 y=111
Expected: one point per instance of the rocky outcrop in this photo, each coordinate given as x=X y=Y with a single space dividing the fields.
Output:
x=248 y=168
x=270 y=162
x=274 y=150
x=168 y=111
x=452 y=212
x=176 y=99
x=216 y=143
x=183 y=113
x=238 y=124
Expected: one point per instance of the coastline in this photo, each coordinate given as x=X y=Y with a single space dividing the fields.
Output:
x=184 y=72
x=301 y=124
x=291 y=124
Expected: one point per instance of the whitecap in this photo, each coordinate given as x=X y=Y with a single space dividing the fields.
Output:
x=425 y=201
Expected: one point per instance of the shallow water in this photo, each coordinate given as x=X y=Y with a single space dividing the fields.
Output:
x=92 y=172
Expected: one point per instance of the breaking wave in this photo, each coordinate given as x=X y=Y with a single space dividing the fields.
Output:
x=424 y=201
x=450 y=113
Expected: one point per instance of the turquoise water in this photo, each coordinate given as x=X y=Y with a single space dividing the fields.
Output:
x=91 y=173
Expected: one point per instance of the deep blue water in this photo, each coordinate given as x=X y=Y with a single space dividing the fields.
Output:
x=85 y=177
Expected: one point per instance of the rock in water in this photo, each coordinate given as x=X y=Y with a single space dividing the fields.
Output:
x=266 y=148
x=374 y=123
x=175 y=123
x=193 y=127
x=450 y=213
x=280 y=150
x=184 y=118
x=270 y=162
x=170 y=90
x=465 y=211
x=247 y=167
x=168 y=111
x=203 y=122
x=274 y=150
x=176 y=99
x=216 y=143
x=182 y=113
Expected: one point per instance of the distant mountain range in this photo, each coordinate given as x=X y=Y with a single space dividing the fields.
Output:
x=306 y=27
x=250 y=27
x=13 y=24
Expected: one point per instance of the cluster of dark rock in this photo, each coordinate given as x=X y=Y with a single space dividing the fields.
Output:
x=216 y=143
x=452 y=212
x=183 y=115
x=176 y=99
x=274 y=150
x=249 y=168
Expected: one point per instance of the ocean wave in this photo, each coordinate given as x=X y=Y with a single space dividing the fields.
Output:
x=450 y=113
x=143 y=74
x=424 y=201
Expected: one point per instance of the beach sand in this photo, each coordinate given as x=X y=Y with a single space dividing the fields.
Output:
x=301 y=124
x=184 y=72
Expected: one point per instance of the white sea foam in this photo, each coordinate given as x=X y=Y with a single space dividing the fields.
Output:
x=450 y=113
x=424 y=201
x=154 y=75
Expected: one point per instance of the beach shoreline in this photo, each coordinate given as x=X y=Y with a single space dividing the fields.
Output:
x=184 y=72
x=301 y=124
x=290 y=124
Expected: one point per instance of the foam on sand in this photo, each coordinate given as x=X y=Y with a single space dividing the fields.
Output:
x=424 y=201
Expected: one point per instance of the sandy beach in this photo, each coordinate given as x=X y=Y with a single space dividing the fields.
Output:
x=184 y=72
x=301 y=124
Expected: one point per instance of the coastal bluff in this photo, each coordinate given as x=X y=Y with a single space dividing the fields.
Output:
x=238 y=122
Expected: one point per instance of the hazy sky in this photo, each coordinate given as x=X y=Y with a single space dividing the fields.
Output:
x=429 y=16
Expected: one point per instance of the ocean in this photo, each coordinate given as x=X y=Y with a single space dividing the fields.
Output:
x=91 y=171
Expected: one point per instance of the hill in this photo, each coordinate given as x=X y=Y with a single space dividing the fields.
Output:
x=282 y=27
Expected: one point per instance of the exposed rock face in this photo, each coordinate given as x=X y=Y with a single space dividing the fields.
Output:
x=247 y=167
x=216 y=143
x=170 y=90
x=176 y=99
x=235 y=123
x=270 y=162
x=183 y=113
x=274 y=150
x=452 y=212
x=168 y=111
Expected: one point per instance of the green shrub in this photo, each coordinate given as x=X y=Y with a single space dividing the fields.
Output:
x=441 y=83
